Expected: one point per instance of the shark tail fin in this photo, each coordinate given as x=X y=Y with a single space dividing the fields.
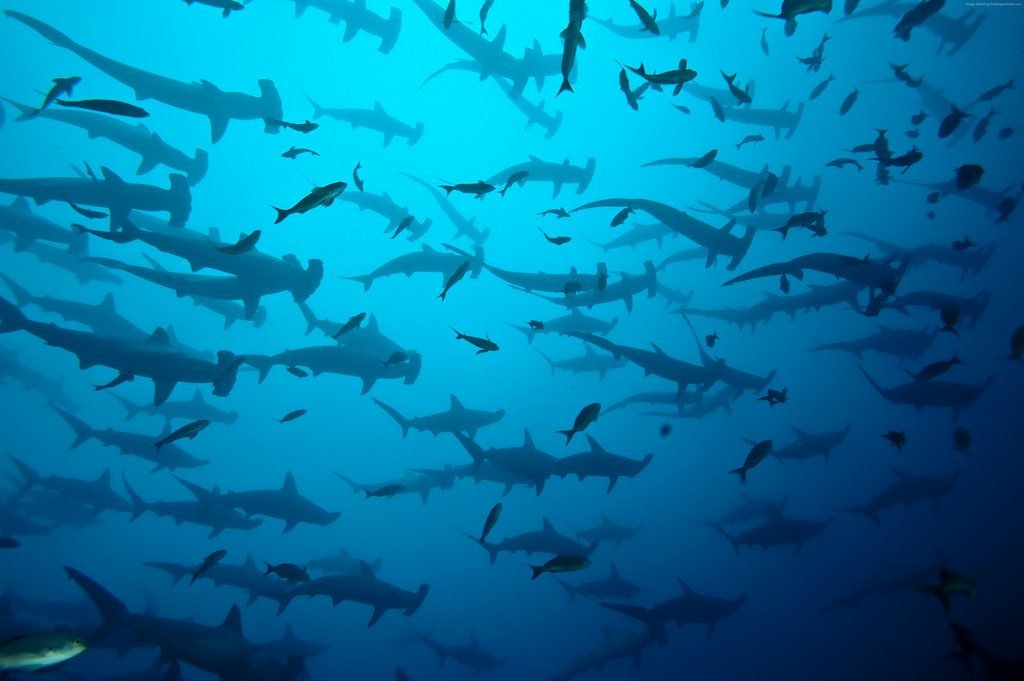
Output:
x=139 y=504
x=111 y=609
x=83 y=432
x=719 y=529
x=11 y=318
x=393 y=413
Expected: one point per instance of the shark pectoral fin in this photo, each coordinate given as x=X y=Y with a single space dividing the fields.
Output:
x=218 y=126
x=251 y=305
x=378 y=612
x=351 y=30
x=161 y=391
x=289 y=526
x=146 y=165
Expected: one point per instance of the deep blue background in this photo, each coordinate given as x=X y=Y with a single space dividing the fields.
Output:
x=472 y=131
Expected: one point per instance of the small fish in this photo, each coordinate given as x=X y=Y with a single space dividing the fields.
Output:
x=560 y=564
x=61 y=86
x=123 y=377
x=951 y=122
x=897 y=438
x=764 y=41
x=187 y=431
x=208 y=563
x=913 y=134
x=820 y=88
x=936 y=369
x=9 y=543
x=289 y=572
x=559 y=213
x=292 y=415
x=950 y=316
x=110 y=106
x=665 y=430
x=295 y=152
x=586 y=416
x=848 y=103
x=1005 y=133
x=319 y=196
x=89 y=214
x=749 y=139
x=38 y=651
x=992 y=93
x=982 y=127
x=843 y=162
x=478 y=189
x=297 y=372
x=930 y=215
x=756 y=455
x=484 y=344
x=358 y=181
x=719 y=112
x=918 y=118
x=711 y=339
x=245 y=243
x=489 y=523
x=351 y=325
x=705 y=160
x=682 y=109
x=449 y=15
x=933 y=197
x=456 y=277
x=484 y=9
x=961 y=245
x=514 y=178
x=556 y=240
x=968 y=175
x=774 y=397
x=962 y=439
x=621 y=216
x=648 y=21
x=536 y=325
x=742 y=96
x=397 y=357
x=305 y=128
x=784 y=284
x=406 y=221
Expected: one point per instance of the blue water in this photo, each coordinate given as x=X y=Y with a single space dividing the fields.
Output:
x=471 y=132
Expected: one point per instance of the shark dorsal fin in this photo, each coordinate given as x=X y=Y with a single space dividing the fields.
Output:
x=378 y=108
x=108 y=302
x=233 y=622
x=547 y=525
x=527 y=439
x=455 y=402
x=615 y=570
x=159 y=336
x=198 y=397
x=110 y=176
x=595 y=445
x=289 y=484
x=249 y=562
x=104 y=478
x=289 y=633
x=657 y=349
x=686 y=587
x=365 y=569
